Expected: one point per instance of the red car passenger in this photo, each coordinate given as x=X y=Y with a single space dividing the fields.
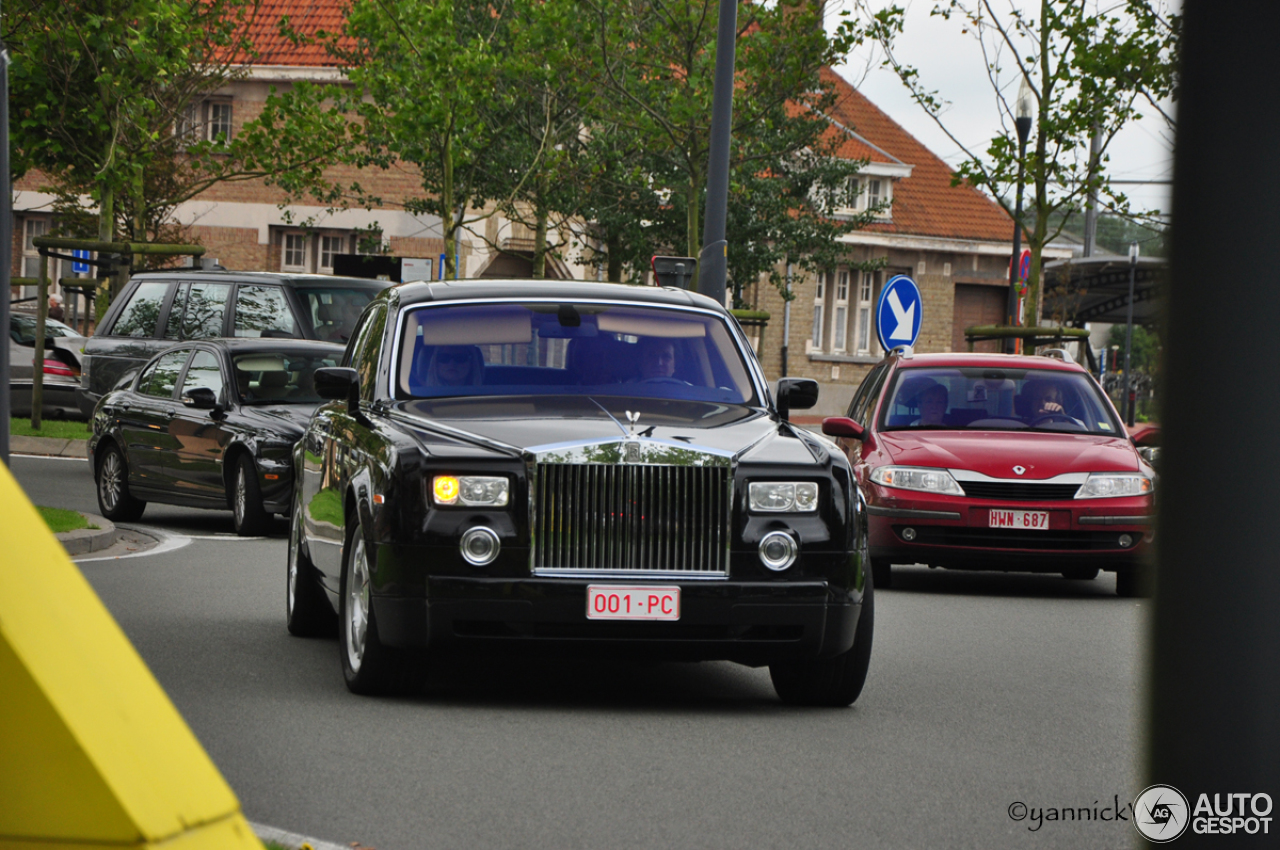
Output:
x=997 y=462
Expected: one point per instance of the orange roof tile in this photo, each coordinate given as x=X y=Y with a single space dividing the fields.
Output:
x=305 y=16
x=924 y=204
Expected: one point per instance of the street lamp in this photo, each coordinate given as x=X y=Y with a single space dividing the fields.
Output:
x=1128 y=398
x=1021 y=120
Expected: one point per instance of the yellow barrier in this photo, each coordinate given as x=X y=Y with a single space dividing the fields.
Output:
x=92 y=752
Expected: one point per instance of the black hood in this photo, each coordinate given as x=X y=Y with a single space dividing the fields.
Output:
x=525 y=422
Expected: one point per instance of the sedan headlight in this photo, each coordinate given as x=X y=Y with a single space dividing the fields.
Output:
x=917 y=478
x=1109 y=485
x=470 y=490
x=783 y=496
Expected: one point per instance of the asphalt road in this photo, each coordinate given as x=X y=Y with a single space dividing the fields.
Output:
x=985 y=691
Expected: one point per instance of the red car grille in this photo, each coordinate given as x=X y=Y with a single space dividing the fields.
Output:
x=1023 y=491
x=1009 y=538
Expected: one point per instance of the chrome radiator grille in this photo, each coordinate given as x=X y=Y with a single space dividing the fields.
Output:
x=631 y=518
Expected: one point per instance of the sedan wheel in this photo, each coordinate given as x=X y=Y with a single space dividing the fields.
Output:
x=307 y=610
x=368 y=666
x=114 y=499
x=251 y=519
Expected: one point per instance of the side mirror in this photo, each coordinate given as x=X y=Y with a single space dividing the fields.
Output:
x=843 y=426
x=200 y=398
x=796 y=393
x=338 y=383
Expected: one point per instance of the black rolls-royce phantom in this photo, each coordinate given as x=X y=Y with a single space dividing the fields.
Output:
x=573 y=466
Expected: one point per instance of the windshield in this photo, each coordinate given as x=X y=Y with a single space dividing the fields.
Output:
x=266 y=378
x=986 y=399
x=583 y=349
x=22 y=329
x=333 y=310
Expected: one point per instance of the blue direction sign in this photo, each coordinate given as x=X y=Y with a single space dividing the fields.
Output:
x=80 y=268
x=898 y=313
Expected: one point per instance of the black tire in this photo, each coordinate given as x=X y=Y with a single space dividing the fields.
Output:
x=1080 y=573
x=250 y=518
x=368 y=666
x=1133 y=582
x=112 y=479
x=882 y=573
x=307 y=609
x=833 y=682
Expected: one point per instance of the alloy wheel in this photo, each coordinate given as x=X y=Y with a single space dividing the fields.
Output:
x=357 y=620
x=109 y=480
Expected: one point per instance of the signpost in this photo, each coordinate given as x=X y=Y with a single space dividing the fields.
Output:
x=899 y=312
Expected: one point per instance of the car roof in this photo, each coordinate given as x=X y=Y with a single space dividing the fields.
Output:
x=997 y=361
x=239 y=345
x=288 y=278
x=498 y=288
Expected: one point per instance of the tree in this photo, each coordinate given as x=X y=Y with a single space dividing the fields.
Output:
x=658 y=59
x=1088 y=70
x=106 y=98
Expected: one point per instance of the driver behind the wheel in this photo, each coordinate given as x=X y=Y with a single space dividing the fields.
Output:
x=1044 y=398
x=657 y=358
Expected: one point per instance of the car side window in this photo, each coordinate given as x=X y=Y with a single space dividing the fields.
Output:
x=867 y=401
x=204 y=371
x=863 y=389
x=364 y=353
x=198 y=311
x=263 y=311
x=141 y=315
x=161 y=379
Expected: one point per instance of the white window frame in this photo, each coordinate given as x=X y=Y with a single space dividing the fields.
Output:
x=840 y=313
x=213 y=125
x=865 y=338
x=328 y=244
x=285 y=249
x=32 y=227
x=819 y=305
x=197 y=122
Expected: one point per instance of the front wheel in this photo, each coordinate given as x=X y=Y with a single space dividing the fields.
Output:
x=114 y=499
x=307 y=611
x=833 y=682
x=251 y=519
x=368 y=666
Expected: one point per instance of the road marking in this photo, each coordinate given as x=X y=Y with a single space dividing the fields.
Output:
x=52 y=457
x=167 y=543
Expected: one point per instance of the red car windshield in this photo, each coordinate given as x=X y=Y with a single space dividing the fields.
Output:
x=987 y=399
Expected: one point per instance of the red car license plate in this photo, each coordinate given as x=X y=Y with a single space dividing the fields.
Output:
x=640 y=602
x=1033 y=520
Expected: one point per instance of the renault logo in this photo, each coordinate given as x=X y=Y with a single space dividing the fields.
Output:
x=1018 y=470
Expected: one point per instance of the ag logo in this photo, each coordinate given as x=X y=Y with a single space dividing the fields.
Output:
x=1161 y=814
x=1018 y=470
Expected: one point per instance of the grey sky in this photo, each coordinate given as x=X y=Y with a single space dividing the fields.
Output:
x=950 y=63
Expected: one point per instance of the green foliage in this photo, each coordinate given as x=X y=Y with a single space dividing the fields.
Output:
x=68 y=430
x=1089 y=71
x=1144 y=357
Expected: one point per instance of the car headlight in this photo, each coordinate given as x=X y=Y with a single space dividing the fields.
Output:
x=783 y=496
x=917 y=478
x=1109 y=485
x=470 y=490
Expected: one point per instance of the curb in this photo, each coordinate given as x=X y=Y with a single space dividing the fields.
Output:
x=292 y=840
x=52 y=446
x=84 y=540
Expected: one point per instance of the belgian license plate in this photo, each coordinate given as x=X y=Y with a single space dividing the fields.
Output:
x=1032 y=520
x=640 y=602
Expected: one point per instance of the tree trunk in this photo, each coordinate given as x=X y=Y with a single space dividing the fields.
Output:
x=693 y=235
x=613 y=244
x=446 y=212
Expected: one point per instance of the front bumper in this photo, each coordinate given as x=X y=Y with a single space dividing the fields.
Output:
x=752 y=623
x=955 y=532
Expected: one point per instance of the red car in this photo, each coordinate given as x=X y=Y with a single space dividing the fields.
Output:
x=997 y=462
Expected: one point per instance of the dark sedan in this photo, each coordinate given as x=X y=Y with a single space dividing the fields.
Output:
x=573 y=467
x=208 y=425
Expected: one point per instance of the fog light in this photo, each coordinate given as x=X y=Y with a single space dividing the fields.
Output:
x=778 y=550
x=908 y=534
x=1125 y=541
x=479 y=546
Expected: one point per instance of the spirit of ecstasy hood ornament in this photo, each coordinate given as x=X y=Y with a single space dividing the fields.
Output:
x=633 y=419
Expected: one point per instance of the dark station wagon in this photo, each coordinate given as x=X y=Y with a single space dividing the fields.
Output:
x=573 y=467
x=159 y=309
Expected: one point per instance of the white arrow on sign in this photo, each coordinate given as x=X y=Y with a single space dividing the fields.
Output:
x=906 y=318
